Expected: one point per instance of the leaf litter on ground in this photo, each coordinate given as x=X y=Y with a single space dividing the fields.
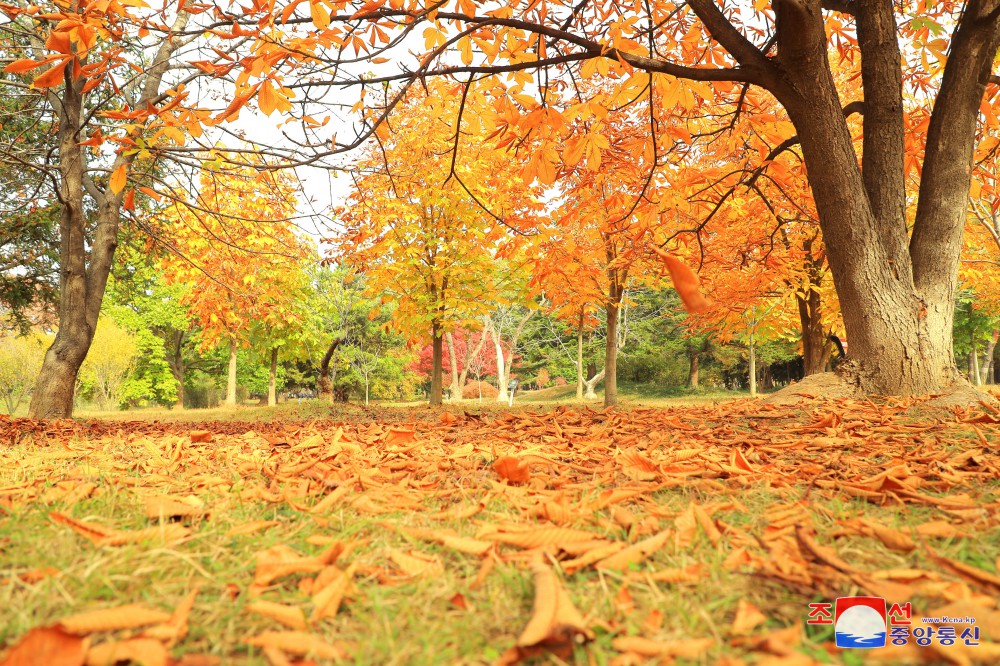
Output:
x=644 y=535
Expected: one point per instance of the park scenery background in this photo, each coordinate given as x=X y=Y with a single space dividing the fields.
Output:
x=448 y=332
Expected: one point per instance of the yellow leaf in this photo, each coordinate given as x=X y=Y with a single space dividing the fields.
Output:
x=119 y=178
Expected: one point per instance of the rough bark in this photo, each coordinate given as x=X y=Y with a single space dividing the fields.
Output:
x=85 y=258
x=437 y=347
x=272 y=380
x=324 y=387
x=816 y=345
x=456 y=384
x=231 y=375
x=694 y=356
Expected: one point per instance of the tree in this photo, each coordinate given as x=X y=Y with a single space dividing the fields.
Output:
x=20 y=360
x=414 y=227
x=236 y=249
x=896 y=281
x=87 y=53
x=109 y=361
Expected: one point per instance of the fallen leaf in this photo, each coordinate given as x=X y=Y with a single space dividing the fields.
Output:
x=514 y=471
x=130 y=616
x=299 y=643
x=685 y=648
x=48 y=646
x=555 y=622
x=200 y=436
x=141 y=651
x=635 y=553
x=290 y=616
x=748 y=616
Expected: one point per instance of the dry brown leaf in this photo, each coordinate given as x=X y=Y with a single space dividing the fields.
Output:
x=415 y=564
x=515 y=471
x=281 y=560
x=555 y=622
x=252 y=527
x=748 y=616
x=91 y=531
x=399 y=436
x=170 y=507
x=166 y=533
x=299 y=643
x=707 y=524
x=331 y=500
x=892 y=538
x=139 y=651
x=48 y=646
x=685 y=648
x=290 y=616
x=326 y=602
x=541 y=537
x=692 y=573
x=130 y=616
x=635 y=553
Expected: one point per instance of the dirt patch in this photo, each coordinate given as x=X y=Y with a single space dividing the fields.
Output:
x=826 y=385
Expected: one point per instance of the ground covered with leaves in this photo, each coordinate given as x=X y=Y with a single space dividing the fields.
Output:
x=640 y=536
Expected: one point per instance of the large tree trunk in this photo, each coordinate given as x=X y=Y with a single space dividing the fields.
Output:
x=579 y=358
x=816 y=346
x=82 y=284
x=694 y=356
x=272 y=380
x=231 y=375
x=896 y=292
x=456 y=385
x=437 y=344
x=611 y=357
x=324 y=387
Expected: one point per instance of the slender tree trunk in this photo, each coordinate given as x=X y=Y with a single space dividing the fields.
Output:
x=456 y=385
x=437 y=346
x=611 y=357
x=579 y=358
x=592 y=383
x=816 y=347
x=974 y=366
x=231 y=380
x=470 y=357
x=753 y=367
x=986 y=372
x=366 y=390
x=501 y=370
x=694 y=356
x=272 y=380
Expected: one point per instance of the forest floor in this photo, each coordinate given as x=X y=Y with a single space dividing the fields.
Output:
x=546 y=534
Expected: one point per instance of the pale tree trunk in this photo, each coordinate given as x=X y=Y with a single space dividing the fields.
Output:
x=974 y=367
x=82 y=284
x=694 y=356
x=272 y=380
x=437 y=344
x=579 y=358
x=456 y=385
x=470 y=357
x=753 y=367
x=231 y=378
x=592 y=383
x=986 y=372
x=611 y=357
x=501 y=372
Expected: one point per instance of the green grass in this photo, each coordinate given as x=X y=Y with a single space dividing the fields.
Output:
x=392 y=619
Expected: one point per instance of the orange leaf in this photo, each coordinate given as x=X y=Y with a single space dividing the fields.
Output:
x=50 y=77
x=685 y=281
x=145 y=651
x=512 y=469
x=252 y=526
x=290 y=616
x=399 y=436
x=24 y=65
x=747 y=617
x=686 y=648
x=538 y=538
x=48 y=646
x=200 y=436
x=555 y=622
x=636 y=552
x=95 y=533
x=298 y=643
x=129 y=616
x=118 y=179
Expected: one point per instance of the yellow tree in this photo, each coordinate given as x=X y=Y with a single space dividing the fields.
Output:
x=236 y=248
x=428 y=225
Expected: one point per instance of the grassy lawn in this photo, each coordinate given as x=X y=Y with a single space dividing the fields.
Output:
x=696 y=533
